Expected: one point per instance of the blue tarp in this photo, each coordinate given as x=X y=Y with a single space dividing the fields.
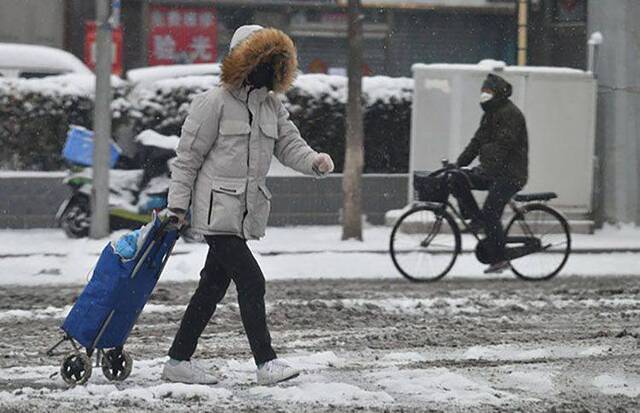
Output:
x=115 y=298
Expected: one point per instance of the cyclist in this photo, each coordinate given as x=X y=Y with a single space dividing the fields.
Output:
x=501 y=143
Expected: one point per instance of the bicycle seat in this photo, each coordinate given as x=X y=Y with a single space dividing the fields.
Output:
x=537 y=196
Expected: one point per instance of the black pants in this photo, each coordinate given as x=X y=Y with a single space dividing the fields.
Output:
x=228 y=259
x=501 y=190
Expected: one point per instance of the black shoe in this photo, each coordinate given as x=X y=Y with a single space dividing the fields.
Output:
x=497 y=268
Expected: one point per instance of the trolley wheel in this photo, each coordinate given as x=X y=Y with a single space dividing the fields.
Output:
x=116 y=365
x=76 y=369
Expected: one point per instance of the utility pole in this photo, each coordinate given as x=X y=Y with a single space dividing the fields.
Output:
x=354 y=156
x=102 y=123
x=617 y=132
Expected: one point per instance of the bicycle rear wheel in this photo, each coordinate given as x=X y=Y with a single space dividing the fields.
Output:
x=551 y=231
x=425 y=243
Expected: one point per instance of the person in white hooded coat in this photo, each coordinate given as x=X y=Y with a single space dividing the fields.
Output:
x=225 y=150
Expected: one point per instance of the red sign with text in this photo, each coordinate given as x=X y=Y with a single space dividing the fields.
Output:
x=181 y=35
x=90 y=36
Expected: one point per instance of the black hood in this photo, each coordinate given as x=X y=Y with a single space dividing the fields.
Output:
x=501 y=92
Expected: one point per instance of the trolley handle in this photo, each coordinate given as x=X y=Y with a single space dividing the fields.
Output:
x=167 y=224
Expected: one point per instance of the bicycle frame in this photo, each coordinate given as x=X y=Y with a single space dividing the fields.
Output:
x=515 y=208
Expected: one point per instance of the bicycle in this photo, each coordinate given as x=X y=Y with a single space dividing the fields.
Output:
x=426 y=240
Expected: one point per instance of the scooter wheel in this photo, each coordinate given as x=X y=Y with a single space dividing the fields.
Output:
x=116 y=365
x=76 y=221
x=76 y=369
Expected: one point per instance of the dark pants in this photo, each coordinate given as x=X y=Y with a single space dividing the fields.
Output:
x=501 y=190
x=228 y=259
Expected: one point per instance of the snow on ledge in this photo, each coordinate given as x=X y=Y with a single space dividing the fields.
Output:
x=374 y=88
x=32 y=174
x=154 y=73
x=150 y=137
x=69 y=84
x=489 y=65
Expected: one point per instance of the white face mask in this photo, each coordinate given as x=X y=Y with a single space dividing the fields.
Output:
x=485 y=97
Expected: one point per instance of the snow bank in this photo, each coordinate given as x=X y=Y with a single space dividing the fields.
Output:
x=69 y=84
x=384 y=88
x=319 y=86
x=190 y=82
x=305 y=361
x=439 y=385
x=375 y=88
x=325 y=393
x=149 y=137
x=37 y=314
x=32 y=257
x=154 y=73
x=518 y=353
x=35 y=57
x=175 y=391
x=618 y=384
x=406 y=357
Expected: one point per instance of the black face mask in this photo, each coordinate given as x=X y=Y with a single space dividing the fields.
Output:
x=262 y=76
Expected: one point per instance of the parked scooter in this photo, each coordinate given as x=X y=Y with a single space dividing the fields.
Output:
x=134 y=193
x=129 y=207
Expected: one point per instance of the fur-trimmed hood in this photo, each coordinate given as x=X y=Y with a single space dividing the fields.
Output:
x=261 y=46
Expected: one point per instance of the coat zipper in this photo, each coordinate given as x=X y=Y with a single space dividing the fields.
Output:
x=246 y=192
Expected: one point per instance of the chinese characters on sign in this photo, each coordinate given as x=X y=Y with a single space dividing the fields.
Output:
x=90 y=48
x=182 y=35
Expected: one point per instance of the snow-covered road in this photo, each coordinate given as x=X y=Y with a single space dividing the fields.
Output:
x=377 y=345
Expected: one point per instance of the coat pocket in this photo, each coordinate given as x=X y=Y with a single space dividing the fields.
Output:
x=232 y=146
x=227 y=204
x=234 y=127
x=269 y=130
x=262 y=209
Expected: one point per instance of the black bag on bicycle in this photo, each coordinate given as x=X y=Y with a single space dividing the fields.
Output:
x=429 y=187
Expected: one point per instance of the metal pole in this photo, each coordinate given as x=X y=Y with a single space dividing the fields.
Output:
x=592 y=58
x=523 y=16
x=102 y=123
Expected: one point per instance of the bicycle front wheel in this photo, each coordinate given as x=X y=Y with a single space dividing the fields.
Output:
x=550 y=231
x=425 y=243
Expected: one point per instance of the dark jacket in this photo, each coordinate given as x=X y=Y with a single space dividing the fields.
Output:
x=501 y=141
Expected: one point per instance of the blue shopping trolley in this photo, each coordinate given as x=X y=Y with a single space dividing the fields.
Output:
x=106 y=311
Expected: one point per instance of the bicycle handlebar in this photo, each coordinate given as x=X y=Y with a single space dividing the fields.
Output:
x=446 y=166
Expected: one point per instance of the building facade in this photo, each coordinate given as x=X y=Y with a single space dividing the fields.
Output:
x=396 y=33
x=33 y=21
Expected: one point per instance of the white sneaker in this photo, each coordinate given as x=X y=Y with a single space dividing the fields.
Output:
x=186 y=372
x=275 y=371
